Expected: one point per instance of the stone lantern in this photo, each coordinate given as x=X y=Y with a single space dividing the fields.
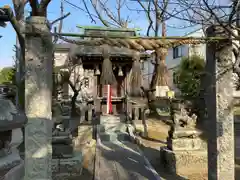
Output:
x=11 y=136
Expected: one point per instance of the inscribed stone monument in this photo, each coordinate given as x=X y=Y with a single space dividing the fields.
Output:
x=38 y=99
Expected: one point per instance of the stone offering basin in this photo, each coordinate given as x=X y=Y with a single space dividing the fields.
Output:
x=160 y=106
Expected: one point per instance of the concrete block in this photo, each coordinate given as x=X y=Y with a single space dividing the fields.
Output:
x=184 y=162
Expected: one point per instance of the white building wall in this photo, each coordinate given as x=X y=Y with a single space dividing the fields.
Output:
x=77 y=74
x=147 y=73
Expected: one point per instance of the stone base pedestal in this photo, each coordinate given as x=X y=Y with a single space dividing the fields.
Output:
x=68 y=168
x=16 y=173
x=10 y=167
x=185 y=162
x=186 y=144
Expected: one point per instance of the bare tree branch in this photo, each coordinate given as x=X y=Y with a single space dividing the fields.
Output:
x=109 y=17
x=90 y=15
x=148 y=15
x=60 y=18
x=98 y=14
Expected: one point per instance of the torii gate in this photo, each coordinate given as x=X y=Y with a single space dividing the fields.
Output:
x=221 y=149
x=221 y=163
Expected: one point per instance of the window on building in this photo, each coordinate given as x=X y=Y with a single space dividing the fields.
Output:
x=177 y=52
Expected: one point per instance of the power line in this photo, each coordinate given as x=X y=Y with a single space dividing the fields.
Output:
x=187 y=3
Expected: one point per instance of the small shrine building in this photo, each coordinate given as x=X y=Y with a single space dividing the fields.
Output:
x=90 y=60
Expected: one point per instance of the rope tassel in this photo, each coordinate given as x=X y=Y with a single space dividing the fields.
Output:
x=162 y=76
x=136 y=77
x=107 y=76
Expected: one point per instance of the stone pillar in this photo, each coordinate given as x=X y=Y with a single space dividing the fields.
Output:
x=96 y=94
x=219 y=93
x=136 y=113
x=38 y=99
x=89 y=116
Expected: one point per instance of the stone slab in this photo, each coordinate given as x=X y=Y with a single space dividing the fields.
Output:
x=109 y=119
x=119 y=127
x=181 y=162
x=187 y=144
x=114 y=137
x=69 y=168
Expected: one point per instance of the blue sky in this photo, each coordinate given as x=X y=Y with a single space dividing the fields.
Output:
x=77 y=17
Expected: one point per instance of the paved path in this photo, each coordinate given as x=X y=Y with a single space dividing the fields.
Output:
x=120 y=160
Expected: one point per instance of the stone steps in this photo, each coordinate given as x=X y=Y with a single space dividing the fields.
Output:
x=112 y=127
x=122 y=160
x=109 y=119
x=114 y=137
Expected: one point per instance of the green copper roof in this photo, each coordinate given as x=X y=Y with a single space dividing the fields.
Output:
x=109 y=31
x=107 y=28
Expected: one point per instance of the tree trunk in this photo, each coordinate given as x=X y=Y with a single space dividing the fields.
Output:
x=20 y=75
x=154 y=75
x=38 y=99
x=20 y=54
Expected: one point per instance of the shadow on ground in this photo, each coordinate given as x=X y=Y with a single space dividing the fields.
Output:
x=154 y=158
x=128 y=163
x=86 y=175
